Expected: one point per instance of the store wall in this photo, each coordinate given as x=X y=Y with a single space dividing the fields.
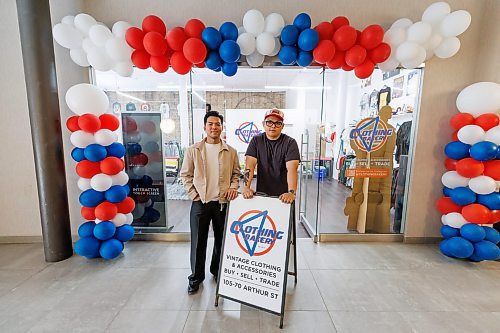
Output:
x=443 y=80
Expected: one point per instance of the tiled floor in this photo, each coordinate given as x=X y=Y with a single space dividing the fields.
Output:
x=342 y=287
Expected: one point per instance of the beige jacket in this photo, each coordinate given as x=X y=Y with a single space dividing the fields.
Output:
x=193 y=171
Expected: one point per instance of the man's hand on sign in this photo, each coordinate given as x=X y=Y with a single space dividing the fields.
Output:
x=247 y=193
x=231 y=194
x=287 y=198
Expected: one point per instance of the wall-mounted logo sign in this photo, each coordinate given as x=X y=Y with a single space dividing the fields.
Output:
x=246 y=131
x=117 y=107
x=145 y=107
x=130 y=106
x=371 y=134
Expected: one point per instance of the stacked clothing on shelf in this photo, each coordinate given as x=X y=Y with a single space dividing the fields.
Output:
x=346 y=162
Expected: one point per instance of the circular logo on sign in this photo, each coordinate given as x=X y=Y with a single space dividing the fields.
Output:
x=371 y=134
x=247 y=131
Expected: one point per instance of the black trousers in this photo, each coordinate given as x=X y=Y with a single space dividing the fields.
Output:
x=200 y=216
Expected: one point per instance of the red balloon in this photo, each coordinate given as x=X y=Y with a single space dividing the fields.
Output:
x=194 y=28
x=450 y=164
x=134 y=37
x=325 y=30
x=200 y=65
x=347 y=68
x=72 y=124
x=358 y=37
x=154 y=23
x=194 y=50
x=160 y=64
x=365 y=69
x=87 y=169
x=372 y=36
x=454 y=136
x=338 y=22
x=337 y=61
x=176 y=38
x=460 y=120
x=126 y=206
x=492 y=169
x=106 y=211
x=344 y=38
x=89 y=123
x=355 y=56
x=88 y=213
x=381 y=53
x=109 y=121
x=129 y=125
x=476 y=213
x=180 y=64
x=325 y=51
x=148 y=127
x=469 y=167
x=111 y=165
x=138 y=160
x=495 y=216
x=156 y=156
x=445 y=206
x=487 y=121
x=140 y=59
x=155 y=44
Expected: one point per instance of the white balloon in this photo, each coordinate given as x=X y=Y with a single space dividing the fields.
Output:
x=448 y=48
x=129 y=218
x=81 y=139
x=99 y=35
x=167 y=126
x=98 y=59
x=124 y=68
x=134 y=137
x=79 y=57
x=436 y=12
x=67 y=36
x=410 y=52
x=479 y=98
x=119 y=219
x=247 y=43
x=402 y=23
x=417 y=60
x=455 y=23
x=493 y=135
x=273 y=24
x=139 y=170
x=443 y=219
x=83 y=22
x=433 y=41
x=101 y=182
x=68 y=19
x=452 y=179
x=471 y=134
x=255 y=59
x=455 y=220
x=265 y=43
x=121 y=178
x=118 y=50
x=120 y=28
x=84 y=184
x=87 y=45
x=483 y=185
x=254 y=22
x=429 y=54
x=277 y=47
x=241 y=30
x=419 y=32
x=105 y=137
x=86 y=98
x=395 y=36
x=390 y=64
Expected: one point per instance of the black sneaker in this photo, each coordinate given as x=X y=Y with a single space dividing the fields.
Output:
x=193 y=288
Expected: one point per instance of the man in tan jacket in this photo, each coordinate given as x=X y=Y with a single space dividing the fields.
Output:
x=210 y=174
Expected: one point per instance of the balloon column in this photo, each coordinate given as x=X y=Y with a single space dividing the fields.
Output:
x=471 y=196
x=104 y=196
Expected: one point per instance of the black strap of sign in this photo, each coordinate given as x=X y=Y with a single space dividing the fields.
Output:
x=292 y=241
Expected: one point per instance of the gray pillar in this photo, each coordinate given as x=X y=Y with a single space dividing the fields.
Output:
x=41 y=86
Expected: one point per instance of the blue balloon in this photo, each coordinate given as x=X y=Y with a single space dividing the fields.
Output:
x=78 y=154
x=151 y=147
x=484 y=151
x=86 y=229
x=213 y=60
x=308 y=39
x=229 y=51
x=459 y=247
x=486 y=250
x=87 y=247
x=444 y=248
x=475 y=258
x=229 y=31
x=124 y=233
x=472 y=232
x=289 y=35
x=133 y=148
x=212 y=38
x=492 y=235
x=304 y=58
x=111 y=248
x=462 y=196
x=448 y=232
x=457 y=150
x=116 y=149
x=498 y=154
x=287 y=55
x=302 y=21
x=91 y=198
x=104 y=230
x=95 y=152
x=229 y=69
x=492 y=200
x=218 y=69
x=146 y=181
x=446 y=191
x=115 y=194
x=127 y=188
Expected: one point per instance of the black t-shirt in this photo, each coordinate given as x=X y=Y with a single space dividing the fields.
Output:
x=272 y=156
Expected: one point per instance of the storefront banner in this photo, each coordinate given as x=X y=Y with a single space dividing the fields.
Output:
x=254 y=257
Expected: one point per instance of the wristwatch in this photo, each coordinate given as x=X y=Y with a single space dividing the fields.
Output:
x=291 y=191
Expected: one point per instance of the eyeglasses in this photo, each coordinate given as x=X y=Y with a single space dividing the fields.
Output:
x=277 y=124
